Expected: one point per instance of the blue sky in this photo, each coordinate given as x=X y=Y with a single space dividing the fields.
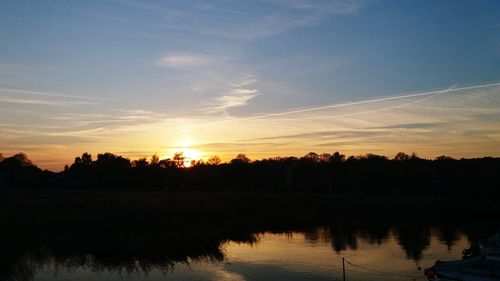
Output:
x=142 y=77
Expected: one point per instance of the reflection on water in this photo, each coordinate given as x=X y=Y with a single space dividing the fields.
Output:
x=373 y=252
x=313 y=259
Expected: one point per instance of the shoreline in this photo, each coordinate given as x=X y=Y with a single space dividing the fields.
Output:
x=20 y=207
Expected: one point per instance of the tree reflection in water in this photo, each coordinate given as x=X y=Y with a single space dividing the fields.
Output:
x=135 y=250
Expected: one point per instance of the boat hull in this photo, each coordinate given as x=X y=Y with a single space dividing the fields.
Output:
x=482 y=268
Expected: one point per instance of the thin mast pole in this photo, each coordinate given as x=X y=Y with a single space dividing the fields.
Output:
x=343 y=268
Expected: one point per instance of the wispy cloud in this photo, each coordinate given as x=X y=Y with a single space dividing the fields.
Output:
x=115 y=118
x=43 y=102
x=181 y=60
x=343 y=133
x=295 y=14
x=39 y=139
x=45 y=94
x=377 y=100
x=409 y=126
x=239 y=94
x=89 y=98
x=240 y=20
x=328 y=6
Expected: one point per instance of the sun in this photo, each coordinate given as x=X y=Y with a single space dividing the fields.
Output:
x=189 y=155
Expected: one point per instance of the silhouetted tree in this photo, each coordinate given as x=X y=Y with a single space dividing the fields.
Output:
x=240 y=159
x=199 y=163
x=141 y=163
x=214 y=160
x=325 y=157
x=311 y=157
x=371 y=156
x=444 y=158
x=86 y=159
x=21 y=159
x=112 y=161
x=179 y=159
x=155 y=160
x=401 y=156
x=167 y=163
x=337 y=157
x=19 y=172
x=367 y=174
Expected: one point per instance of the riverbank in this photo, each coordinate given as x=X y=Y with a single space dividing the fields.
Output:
x=188 y=209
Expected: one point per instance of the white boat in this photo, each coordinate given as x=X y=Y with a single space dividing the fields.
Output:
x=482 y=268
x=485 y=267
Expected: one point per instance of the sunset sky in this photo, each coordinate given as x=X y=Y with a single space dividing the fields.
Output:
x=264 y=78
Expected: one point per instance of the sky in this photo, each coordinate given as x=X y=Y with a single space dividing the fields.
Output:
x=264 y=78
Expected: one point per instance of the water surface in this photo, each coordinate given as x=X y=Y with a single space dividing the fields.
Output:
x=376 y=253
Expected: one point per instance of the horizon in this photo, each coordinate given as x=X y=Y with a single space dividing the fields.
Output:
x=189 y=161
x=263 y=78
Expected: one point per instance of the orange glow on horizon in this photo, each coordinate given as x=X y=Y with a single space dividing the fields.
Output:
x=189 y=155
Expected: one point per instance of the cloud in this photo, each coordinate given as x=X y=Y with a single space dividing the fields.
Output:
x=182 y=60
x=241 y=20
x=89 y=99
x=52 y=140
x=383 y=99
x=82 y=133
x=347 y=7
x=239 y=94
x=375 y=139
x=288 y=15
x=228 y=145
x=236 y=97
x=409 y=126
x=119 y=117
x=43 y=102
x=325 y=134
x=46 y=94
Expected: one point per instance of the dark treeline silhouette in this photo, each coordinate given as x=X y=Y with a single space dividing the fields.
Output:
x=369 y=174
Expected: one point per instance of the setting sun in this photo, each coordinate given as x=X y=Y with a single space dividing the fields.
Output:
x=189 y=154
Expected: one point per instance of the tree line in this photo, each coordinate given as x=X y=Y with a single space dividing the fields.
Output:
x=369 y=174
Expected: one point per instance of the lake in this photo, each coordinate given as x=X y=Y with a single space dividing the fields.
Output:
x=373 y=252
x=100 y=236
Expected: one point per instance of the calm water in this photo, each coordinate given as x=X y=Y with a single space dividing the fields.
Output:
x=379 y=254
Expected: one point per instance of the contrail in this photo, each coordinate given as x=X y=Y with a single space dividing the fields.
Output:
x=398 y=97
x=370 y=111
x=43 y=102
x=49 y=94
x=46 y=94
x=420 y=94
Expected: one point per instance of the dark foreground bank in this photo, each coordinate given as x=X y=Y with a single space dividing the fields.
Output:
x=189 y=209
